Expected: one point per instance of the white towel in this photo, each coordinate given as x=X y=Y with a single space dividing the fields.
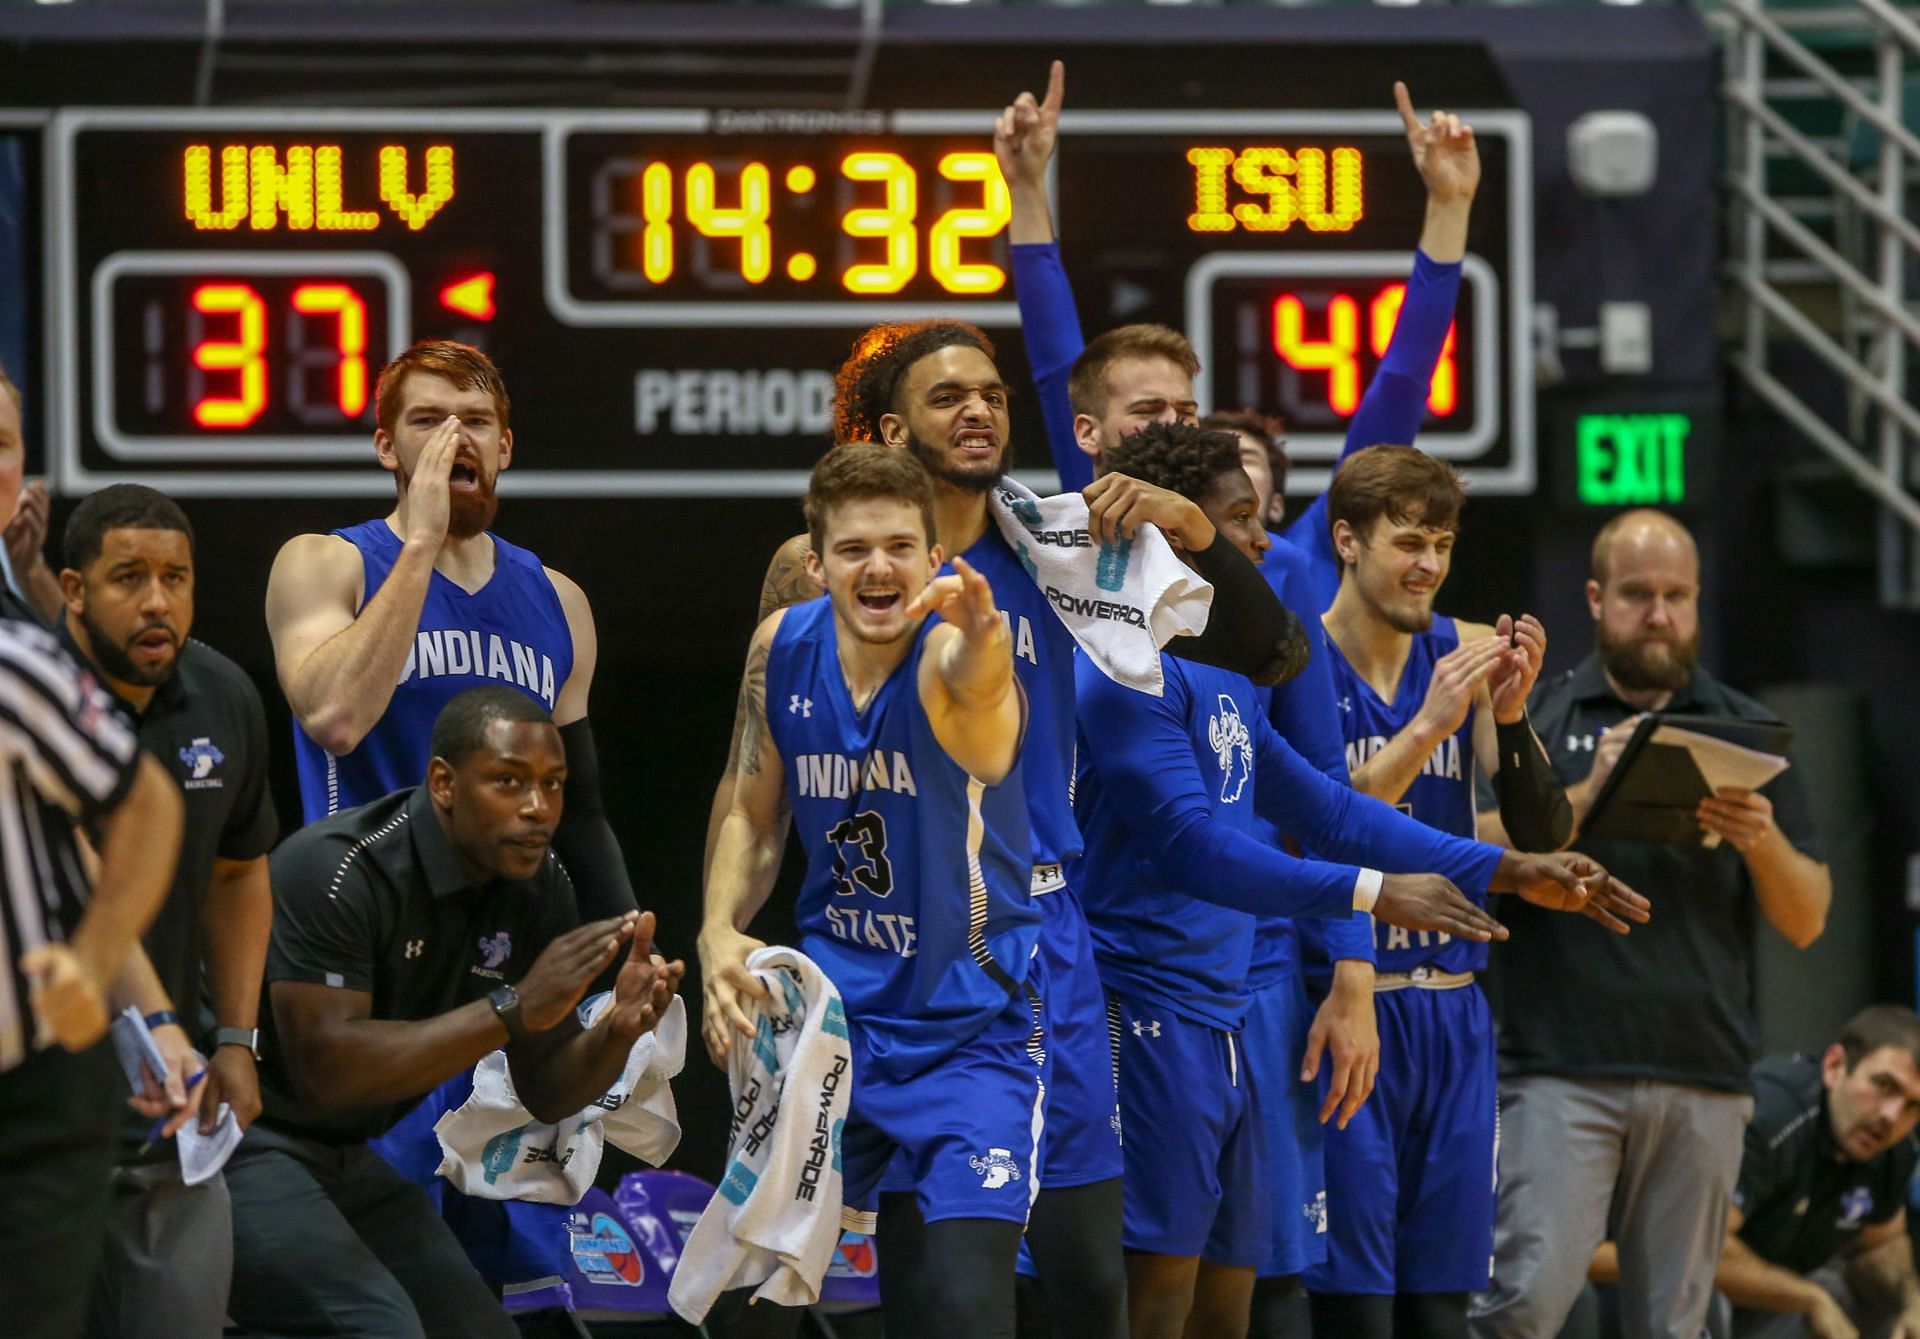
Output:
x=1122 y=601
x=775 y=1220
x=492 y=1148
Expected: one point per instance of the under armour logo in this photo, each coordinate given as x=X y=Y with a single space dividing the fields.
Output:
x=1346 y=704
x=1149 y=1027
x=799 y=707
x=415 y=947
x=1575 y=743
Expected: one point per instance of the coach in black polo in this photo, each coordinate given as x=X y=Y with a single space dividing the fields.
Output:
x=1817 y=1239
x=412 y=936
x=1624 y=1068
x=128 y=581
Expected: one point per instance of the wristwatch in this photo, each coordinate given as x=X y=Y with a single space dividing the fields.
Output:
x=248 y=1037
x=506 y=1007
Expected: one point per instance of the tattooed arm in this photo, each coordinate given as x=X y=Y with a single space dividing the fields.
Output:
x=786 y=583
x=745 y=857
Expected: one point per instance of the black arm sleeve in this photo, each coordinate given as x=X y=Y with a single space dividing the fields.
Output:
x=1533 y=803
x=1249 y=631
x=584 y=841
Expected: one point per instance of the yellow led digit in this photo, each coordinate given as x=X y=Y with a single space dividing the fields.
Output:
x=748 y=222
x=1210 y=190
x=328 y=193
x=1330 y=202
x=1265 y=172
x=656 y=207
x=1338 y=355
x=415 y=210
x=277 y=189
x=244 y=355
x=954 y=226
x=350 y=338
x=198 y=172
x=893 y=222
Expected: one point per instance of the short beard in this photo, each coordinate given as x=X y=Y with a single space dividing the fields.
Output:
x=967 y=481
x=117 y=665
x=1647 y=665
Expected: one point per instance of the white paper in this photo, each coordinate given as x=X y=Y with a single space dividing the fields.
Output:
x=1725 y=766
x=203 y=1155
x=133 y=1043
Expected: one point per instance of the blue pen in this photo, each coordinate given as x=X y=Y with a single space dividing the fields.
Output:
x=153 y=1131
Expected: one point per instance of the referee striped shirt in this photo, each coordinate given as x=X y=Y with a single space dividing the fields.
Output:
x=66 y=757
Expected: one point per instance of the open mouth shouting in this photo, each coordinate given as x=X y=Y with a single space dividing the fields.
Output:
x=878 y=599
x=465 y=475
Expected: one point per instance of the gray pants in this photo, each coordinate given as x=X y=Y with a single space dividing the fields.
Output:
x=329 y=1242
x=167 y=1259
x=1648 y=1165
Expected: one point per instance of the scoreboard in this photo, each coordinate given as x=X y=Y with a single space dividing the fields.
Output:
x=669 y=292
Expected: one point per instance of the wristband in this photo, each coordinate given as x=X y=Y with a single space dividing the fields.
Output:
x=1366 y=890
x=161 y=1018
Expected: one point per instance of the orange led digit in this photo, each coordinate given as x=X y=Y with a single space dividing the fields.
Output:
x=1330 y=205
x=748 y=222
x=1338 y=355
x=244 y=355
x=1444 y=395
x=893 y=222
x=198 y=173
x=956 y=225
x=1265 y=172
x=350 y=338
x=1210 y=190
x=416 y=210
x=656 y=207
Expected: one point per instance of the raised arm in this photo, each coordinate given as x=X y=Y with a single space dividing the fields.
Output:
x=966 y=675
x=1024 y=137
x=339 y=662
x=1395 y=403
x=746 y=859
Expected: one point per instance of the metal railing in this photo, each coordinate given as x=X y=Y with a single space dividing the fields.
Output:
x=1843 y=300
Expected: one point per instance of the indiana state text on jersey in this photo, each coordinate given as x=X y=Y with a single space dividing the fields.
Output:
x=450 y=651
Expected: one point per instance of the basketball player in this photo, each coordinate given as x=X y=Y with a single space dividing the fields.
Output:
x=1422 y=699
x=378 y=626
x=915 y=899
x=1166 y=799
x=933 y=390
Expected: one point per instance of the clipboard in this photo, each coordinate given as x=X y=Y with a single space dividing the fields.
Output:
x=1653 y=790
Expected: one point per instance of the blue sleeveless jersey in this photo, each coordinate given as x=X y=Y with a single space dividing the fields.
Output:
x=512 y=630
x=1441 y=796
x=915 y=900
x=1043 y=655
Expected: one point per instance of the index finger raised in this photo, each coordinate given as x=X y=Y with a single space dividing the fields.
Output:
x=1403 y=101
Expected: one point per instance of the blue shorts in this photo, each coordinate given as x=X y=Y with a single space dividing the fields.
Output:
x=966 y=1130
x=1196 y=1178
x=1082 y=1140
x=1410 y=1181
x=1276 y=1042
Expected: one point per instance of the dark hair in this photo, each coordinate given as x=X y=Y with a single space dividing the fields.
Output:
x=1880 y=1025
x=7 y=384
x=1399 y=482
x=866 y=384
x=856 y=471
x=1267 y=429
x=462 y=364
x=1087 y=384
x=461 y=727
x=118 y=507
x=1182 y=457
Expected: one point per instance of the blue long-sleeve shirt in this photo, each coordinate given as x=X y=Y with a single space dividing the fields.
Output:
x=1050 y=324
x=1392 y=409
x=1175 y=867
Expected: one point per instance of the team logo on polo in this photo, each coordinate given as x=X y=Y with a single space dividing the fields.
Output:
x=1233 y=746
x=1855 y=1205
x=200 y=758
x=996 y=1169
x=494 y=950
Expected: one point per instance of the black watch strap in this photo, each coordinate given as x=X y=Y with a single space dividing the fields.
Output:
x=235 y=1036
x=506 y=1006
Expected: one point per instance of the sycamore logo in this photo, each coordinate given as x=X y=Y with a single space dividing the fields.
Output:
x=996 y=1169
x=1233 y=745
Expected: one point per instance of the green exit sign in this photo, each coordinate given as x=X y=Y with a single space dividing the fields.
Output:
x=1631 y=460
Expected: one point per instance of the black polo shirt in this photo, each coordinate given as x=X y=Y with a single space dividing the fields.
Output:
x=1801 y=1197
x=1578 y=1001
x=206 y=727
x=374 y=900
